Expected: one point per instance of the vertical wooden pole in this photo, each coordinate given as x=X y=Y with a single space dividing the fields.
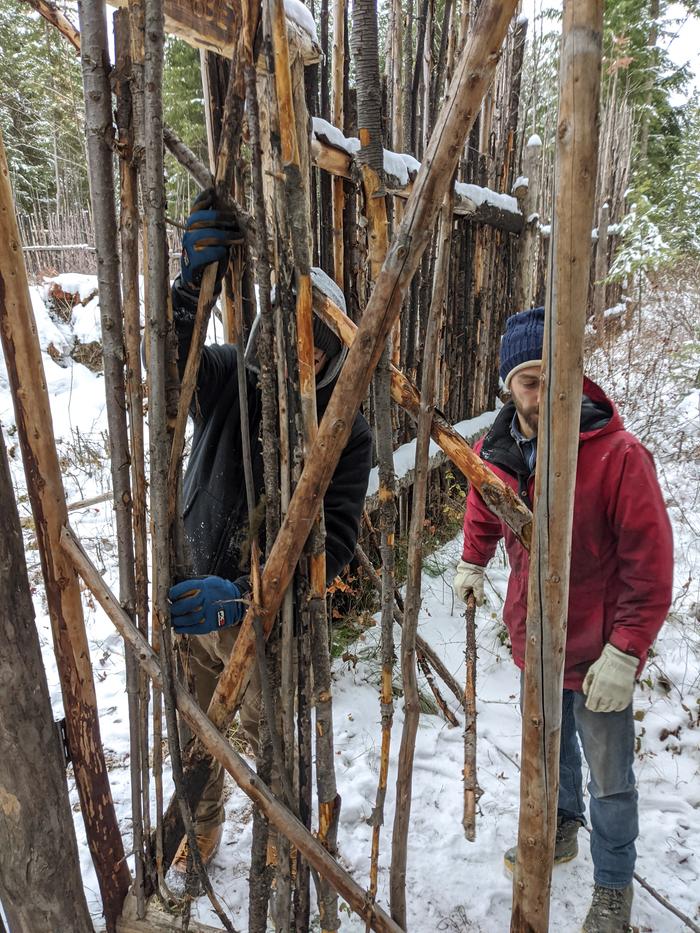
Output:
x=40 y=883
x=601 y=270
x=470 y=782
x=98 y=119
x=337 y=119
x=560 y=406
x=529 y=238
x=45 y=488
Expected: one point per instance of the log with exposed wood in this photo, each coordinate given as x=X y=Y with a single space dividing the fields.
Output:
x=557 y=457
x=498 y=496
x=45 y=488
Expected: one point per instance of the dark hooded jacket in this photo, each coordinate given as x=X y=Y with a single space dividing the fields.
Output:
x=215 y=506
x=621 y=549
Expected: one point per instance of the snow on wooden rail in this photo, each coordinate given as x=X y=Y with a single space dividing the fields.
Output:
x=333 y=152
x=405 y=456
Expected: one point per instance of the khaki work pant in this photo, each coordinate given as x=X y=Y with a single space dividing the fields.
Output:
x=206 y=657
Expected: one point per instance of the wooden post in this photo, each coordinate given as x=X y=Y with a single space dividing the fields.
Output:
x=473 y=73
x=471 y=787
x=338 y=119
x=601 y=271
x=40 y=883
x=45 y=488
x=429 y=381
x=529 y=238
x=557 y=454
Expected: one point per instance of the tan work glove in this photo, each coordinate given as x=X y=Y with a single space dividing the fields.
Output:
x=609 y=683
x=469 y=579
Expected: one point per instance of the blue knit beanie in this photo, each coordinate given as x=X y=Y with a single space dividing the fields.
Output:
x=521 y=345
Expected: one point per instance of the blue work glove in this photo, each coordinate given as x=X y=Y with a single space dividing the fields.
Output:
x=204 y=605
x=209 y=235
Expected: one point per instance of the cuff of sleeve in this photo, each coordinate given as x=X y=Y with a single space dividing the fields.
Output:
x=625 y=644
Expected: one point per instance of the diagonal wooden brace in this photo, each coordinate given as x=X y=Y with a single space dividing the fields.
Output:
x=218 y=746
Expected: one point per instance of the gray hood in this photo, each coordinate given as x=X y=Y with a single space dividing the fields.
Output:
x=323 y=283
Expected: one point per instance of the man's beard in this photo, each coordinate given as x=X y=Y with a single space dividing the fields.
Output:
x=529 y=416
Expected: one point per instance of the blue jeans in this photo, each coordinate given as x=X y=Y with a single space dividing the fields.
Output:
x=608 y=744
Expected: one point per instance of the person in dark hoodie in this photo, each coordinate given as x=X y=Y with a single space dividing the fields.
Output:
x=208 y=607
x=620 y=592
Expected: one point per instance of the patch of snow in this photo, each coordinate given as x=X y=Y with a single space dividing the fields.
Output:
x=84 y=286
x=301 y=15
x=534 y=140
x=322 y=129
x=479 y=196
x=616 y=310
x=522 y=181
x=86 y=321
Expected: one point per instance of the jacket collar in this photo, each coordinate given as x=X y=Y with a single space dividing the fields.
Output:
x=598 y=416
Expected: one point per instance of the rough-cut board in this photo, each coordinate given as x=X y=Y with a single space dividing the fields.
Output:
x=209 y=24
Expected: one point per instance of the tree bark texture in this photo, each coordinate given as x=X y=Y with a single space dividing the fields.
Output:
x=45 y=488
x=41 y=889
x=557 y=454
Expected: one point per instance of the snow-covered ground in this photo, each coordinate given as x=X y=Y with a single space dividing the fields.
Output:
x=452 y=885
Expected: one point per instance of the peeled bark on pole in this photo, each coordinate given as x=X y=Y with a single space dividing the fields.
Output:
x=45 y=488
x=560 y=406
x=219 y=747
x=528 y=245
x=41 y=888
x=57 y=18
x=473 y=73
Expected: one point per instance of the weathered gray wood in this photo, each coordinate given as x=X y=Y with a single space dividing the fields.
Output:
x=557 y=455
x=41 y=889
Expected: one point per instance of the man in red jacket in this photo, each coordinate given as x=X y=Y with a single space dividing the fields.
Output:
x=620 y=591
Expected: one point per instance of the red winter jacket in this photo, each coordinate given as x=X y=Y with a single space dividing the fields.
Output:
x=621 y=551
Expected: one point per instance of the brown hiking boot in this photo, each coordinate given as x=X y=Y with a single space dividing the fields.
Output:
x=610 y=911
x=565 y=846
x=208 y=842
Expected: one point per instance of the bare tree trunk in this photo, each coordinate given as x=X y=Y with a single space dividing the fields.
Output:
x=557 y=456
x=601 y=271
x=338 y=119
x=41 y=889
x=98 y=114
x=35 y=430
